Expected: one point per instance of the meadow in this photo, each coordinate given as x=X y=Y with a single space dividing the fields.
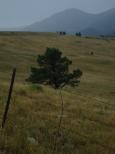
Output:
x=89 y=110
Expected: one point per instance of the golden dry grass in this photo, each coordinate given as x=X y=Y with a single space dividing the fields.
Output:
x=89 y=110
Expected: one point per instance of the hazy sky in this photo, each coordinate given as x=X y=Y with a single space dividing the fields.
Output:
x=24 y=12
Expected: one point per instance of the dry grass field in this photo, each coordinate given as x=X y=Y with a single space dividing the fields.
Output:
x=89 y=110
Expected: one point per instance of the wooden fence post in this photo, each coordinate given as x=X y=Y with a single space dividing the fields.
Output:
x=9 y=98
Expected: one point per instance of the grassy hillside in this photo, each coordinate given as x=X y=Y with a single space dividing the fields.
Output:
x=89 y=110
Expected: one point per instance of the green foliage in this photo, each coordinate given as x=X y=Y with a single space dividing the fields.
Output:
x=54 y=70
x=36 y=87
x=78 y=34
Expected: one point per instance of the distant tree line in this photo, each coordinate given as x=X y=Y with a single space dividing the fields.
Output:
x=64 y=33
x=78 y=34
x=61 y=33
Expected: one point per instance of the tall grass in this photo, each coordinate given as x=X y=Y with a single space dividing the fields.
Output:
x=89 y=110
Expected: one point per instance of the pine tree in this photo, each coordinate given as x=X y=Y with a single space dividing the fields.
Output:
x=53 y=70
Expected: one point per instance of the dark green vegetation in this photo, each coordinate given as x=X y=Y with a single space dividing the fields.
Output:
x=53 y=70
x=89 y=117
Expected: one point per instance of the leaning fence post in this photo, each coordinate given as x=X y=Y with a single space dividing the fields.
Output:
x=9 y=98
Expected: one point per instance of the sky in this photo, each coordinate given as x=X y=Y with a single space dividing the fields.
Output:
x=25 y=12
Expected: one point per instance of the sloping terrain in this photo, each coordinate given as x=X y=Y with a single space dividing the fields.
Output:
x=70 y=20
x=74 y=20
x=89 y=110
x=105 y=23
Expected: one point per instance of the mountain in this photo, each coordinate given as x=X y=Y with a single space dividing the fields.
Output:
x=74 y=20
x=104 y=25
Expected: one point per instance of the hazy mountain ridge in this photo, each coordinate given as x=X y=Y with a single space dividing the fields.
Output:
x=105 y=23
x=74 y=20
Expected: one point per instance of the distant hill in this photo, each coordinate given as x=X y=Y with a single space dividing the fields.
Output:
x=104 y=24
x=74 y=20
